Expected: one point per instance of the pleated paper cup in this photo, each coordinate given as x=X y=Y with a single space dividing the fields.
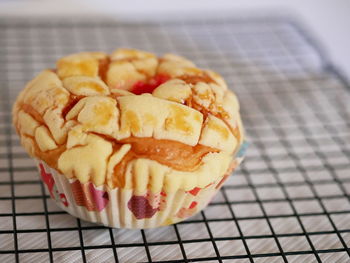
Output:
x=124 y=208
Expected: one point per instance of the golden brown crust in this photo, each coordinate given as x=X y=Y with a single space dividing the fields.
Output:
x=85 y=120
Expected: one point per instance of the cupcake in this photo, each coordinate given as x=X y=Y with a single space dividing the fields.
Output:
x=130 y=140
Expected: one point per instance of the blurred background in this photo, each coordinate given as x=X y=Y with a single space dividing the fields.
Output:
x=328 y=19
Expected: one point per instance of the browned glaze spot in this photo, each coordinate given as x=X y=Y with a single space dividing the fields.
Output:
x=177 y=120
x=176 y=155
x=72 y=102
x=50 y=157
x=219 y=112
x=32 y=112
x=132 y=122
x=90 y=85
x=104 y=113
x=222 y=130
x=194 y=79
x=103 y=68
x=190 y=102
x=118 y=179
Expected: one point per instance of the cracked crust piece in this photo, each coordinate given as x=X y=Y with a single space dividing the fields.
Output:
x=130 y=120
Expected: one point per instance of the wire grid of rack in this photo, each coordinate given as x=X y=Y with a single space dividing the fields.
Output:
x=289 y=201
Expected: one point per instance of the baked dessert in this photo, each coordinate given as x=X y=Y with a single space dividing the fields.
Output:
x=129 y=139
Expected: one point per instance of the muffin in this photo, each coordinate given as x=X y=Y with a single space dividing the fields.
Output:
x=130 y=140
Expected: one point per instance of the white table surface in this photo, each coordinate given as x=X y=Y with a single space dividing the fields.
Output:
x=329 y=20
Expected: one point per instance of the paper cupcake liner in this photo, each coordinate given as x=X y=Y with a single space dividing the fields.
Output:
x=123 y=208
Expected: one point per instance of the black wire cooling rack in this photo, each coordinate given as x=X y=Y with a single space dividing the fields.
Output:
x=289 y=201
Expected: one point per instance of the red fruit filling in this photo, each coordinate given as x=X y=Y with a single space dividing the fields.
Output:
x=149 y=85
